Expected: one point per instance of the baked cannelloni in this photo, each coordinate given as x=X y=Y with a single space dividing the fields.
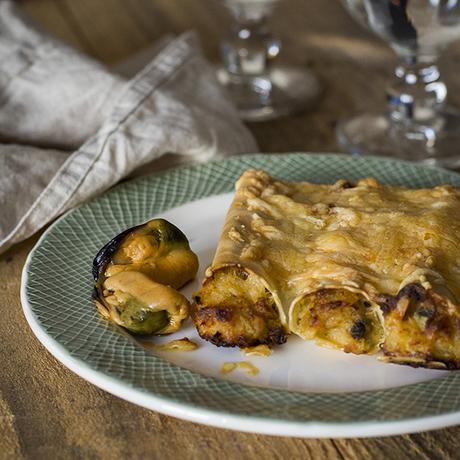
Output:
x=360 y=266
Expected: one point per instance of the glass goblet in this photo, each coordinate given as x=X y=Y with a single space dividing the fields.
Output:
x=417 y=125
x=259 y=86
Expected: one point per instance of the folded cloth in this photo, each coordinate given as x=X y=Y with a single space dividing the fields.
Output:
x=71 y=129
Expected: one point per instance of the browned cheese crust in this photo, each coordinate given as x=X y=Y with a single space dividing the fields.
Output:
x=361 y=267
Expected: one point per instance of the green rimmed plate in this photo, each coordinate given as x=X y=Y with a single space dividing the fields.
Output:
x=301 y=390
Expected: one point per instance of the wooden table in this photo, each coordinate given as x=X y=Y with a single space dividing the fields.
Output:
x=46 y=411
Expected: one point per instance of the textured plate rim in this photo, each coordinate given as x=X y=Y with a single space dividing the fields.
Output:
x=221 y=419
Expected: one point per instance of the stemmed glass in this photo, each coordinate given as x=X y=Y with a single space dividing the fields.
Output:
x=418 y=125
x=259 y=85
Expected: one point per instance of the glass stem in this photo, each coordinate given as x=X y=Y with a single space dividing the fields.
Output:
x=248 y=49
x=416 y=98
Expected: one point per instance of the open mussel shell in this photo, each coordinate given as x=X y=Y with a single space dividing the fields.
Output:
x=136 y=276
x=104 y=255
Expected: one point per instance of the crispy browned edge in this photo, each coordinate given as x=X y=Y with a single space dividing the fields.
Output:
x=278 y=335
x=210 y=314
x=419 y=360
x=418 y=293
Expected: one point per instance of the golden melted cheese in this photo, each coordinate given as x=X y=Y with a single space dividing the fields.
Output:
x=258 y=350
x=299 y=237
x=367 y=238
x=184 y=344
x=244 y=365
x=125 y=285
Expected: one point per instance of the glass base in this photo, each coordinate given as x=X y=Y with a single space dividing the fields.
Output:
x=375 y=134
x=284 y=91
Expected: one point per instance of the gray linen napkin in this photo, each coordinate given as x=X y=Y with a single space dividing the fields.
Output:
x=70 y=128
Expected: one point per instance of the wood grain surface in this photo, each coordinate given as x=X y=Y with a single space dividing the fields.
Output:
x=46 y=411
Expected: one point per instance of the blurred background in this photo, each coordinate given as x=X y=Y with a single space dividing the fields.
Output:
x=352 y=64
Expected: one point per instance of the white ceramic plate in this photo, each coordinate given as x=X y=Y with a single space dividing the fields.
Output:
x=301 y=390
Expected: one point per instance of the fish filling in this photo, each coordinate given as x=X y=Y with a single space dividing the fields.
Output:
x=233 y=308
x=339 y=318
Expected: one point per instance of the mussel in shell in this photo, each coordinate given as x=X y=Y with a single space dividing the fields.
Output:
x=137 y=275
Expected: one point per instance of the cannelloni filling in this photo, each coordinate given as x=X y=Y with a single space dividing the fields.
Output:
x=338 y=318
x=236 y=309
x=361 y=267
x=421 y=328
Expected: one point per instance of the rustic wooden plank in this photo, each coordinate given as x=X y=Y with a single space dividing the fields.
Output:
x=49 y=15
x=10 y=444
x=48 y=412
x=438 y=444
x=381 y=448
